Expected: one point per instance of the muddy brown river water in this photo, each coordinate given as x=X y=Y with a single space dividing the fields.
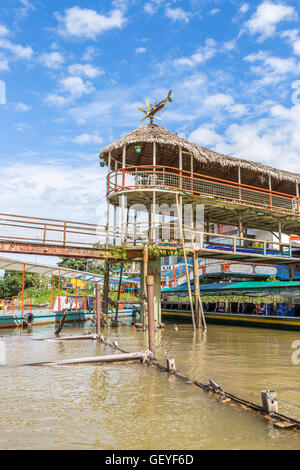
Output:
x=130 y=406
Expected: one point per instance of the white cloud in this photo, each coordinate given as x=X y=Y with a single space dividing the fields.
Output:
x=205 y=137
x=57 y=100
x=76 y=86
x=90 y=53
x=21 y=107
x=52 y=60
x=293 y=37
x=267 y=16
x=4 y=65
x=22 y=126
x=272 y=140
x=214 y=11
x=272 y=69
x=222 y=100
x=140 y=50
x=27 y=6
x=200 y=56
x=177 y=14
x=87 y=23
x=3 y=30
x=244 y=8
x=17 y=50
x=55 y=190
x=84 y=139
x=152 y=6
x=87 y=70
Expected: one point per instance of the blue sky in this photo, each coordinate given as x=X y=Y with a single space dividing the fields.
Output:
x=76 y=71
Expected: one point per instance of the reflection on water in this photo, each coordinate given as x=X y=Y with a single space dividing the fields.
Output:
x=130 y=406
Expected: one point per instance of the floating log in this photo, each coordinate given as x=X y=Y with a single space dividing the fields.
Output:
x=61 y=323
x=67 y=338
x=93 y=360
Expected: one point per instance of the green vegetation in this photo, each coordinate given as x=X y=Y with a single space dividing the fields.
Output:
x=270 y=299
x=11 y=284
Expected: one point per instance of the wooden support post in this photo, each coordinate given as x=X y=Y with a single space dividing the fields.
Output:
x=76 y=295
x=151 y=322
x=154 y=269
x=105 y=288
x=143 y=287
x=52 y=306
x=98 y=309
x=59 y=299
x=84 y=301
x=119 y=293
x=185 y=262
x=196 y=290
x=23 y=287
x=134 y=225
x=61 y=323
x=269 y=401
x=115 y=207
x=240 y=228
x=280 y=236
x=171 y=366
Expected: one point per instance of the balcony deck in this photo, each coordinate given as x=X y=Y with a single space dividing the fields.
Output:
x=223 y=199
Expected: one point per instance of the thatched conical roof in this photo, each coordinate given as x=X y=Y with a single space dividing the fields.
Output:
x=205 y=160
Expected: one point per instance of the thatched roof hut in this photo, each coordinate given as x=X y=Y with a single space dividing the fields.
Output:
x=205 y=161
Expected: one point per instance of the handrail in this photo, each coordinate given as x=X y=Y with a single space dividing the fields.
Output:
x=185 y=181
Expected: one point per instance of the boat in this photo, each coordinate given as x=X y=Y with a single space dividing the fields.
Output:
x=181 y=311
x=252 y=313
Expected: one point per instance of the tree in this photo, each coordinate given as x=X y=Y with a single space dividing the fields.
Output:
x=11 y=285
x=82 y=264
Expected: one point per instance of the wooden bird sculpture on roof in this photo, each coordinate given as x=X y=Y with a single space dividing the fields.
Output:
x=153 y=109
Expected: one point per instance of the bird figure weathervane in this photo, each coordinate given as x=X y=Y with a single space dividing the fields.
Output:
x=153 y=109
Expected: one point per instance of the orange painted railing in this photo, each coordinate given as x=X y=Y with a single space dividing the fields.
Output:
x=159 y=177
x=13 y=305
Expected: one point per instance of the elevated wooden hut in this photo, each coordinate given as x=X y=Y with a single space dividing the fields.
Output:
x=150 y=165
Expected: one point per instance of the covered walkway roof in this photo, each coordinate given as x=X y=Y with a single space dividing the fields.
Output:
x=47 y=270
x=286 y=288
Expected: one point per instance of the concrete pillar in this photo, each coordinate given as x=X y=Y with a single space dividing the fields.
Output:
x=154 y=269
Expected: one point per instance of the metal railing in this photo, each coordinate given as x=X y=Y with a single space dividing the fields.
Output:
x=159 y=177
x=53 y=231
x=33 y=230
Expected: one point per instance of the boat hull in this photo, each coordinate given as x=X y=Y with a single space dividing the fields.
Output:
x=255 y=321
x=42 y=318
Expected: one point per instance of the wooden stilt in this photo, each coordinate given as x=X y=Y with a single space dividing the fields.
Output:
x=144 y=281
x=61 y=323
x=105 y=289
x=196 y=291
x=119 y=292
x=23 y=288
x=98 y=309
x=151 y=321
x=185 y=262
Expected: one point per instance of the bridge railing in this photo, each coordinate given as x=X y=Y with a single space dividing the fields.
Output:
x=53 y=231
x=45 y=232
